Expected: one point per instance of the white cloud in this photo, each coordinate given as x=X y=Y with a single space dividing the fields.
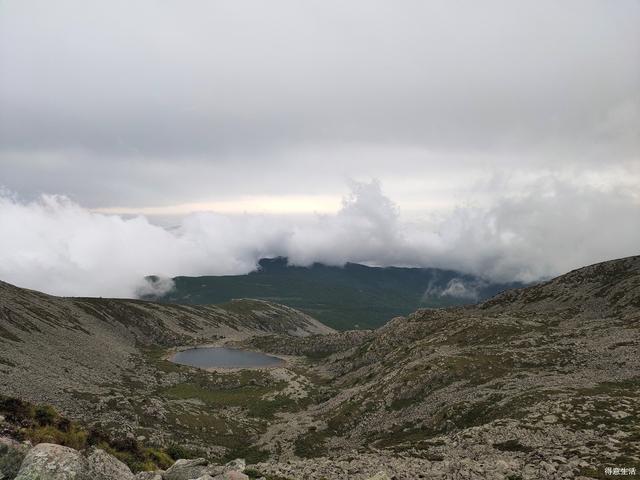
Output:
x=57 y=246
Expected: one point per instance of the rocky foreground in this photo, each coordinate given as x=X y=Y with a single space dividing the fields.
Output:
x=536 y=383
x=47 y=461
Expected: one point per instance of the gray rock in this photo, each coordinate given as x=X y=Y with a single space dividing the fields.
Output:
x=11 y=456
x=186 y=469
x=157 y=475
x=380 y=476
x=47 y=461
x=238 y=464
x=231 y=475
x=102 y=466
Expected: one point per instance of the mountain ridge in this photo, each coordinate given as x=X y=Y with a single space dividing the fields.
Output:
x=347 y=297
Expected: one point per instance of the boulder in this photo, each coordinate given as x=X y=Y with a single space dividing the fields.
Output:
x=238 y=464
x=186 y=469
x=157 y=475
x=231 y=475
x=102 y=466
x=47 y=461
x=380 y=476
x=11 y=456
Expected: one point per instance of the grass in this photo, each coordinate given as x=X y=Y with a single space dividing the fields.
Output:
x=42 y=423
x=512 y=445
x=246 y=396
x=311 y=444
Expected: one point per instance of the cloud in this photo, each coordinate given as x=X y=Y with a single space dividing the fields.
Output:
x=167 y=102
x=55 y=245
x=458 y=288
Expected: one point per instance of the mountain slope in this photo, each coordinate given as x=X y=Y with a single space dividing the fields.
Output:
x=353 y=296
x=535 y=383
x=544 y=378
x=101 y=360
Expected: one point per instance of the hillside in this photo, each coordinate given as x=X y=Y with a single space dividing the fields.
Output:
x=345 y=298
x=543 y=380
x=101 y=360
x=535 y=383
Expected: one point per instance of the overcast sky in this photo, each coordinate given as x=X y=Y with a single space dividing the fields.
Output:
x=487 y=136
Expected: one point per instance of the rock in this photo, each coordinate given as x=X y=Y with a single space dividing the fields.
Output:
x=205 y=477
x=620 y=414
x=102 y=466
x=186 y=469
x=380 y=476
x=11 y=456
x=47 y=461
x=231 y=475
x=157 y=475
x=237 y=464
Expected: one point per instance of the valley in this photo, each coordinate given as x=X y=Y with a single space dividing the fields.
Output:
x=538 y=382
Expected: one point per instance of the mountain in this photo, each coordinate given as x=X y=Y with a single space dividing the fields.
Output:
x=353 y=296
x=540 y=382
x=97 y=359
x=535 y=383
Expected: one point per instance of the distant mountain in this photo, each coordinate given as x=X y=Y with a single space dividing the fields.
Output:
x=349 y=297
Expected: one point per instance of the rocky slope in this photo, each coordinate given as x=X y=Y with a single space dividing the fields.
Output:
x=101 y=360
x=541 y=382
x=535 y=383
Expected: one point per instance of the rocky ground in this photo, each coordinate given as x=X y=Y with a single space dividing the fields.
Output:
x=541 y=382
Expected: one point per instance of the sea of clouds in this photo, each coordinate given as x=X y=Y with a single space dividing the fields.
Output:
x=55 y=245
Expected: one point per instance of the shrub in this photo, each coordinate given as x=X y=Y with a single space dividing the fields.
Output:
x=42 y=424
x=16 y=410
x=45 y=415
x=178 y=451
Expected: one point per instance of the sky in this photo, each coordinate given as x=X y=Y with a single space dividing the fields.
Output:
x=186 y=138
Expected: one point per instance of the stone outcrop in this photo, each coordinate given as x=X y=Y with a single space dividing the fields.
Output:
x=187 y=469
x=47 y=461
x=102 y=466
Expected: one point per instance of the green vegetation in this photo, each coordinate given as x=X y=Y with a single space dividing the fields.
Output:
x=42 y=423
x=311 y=444
x=512 y=445
x=353 y=296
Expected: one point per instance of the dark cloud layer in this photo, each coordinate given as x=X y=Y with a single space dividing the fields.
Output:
x=175 y=101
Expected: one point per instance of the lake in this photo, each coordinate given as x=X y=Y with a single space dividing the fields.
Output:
x=222 y=357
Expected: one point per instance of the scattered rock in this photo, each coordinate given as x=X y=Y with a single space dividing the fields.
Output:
x=157 y=475
x=237 y=464
x=231 y=475
x=380 y=476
